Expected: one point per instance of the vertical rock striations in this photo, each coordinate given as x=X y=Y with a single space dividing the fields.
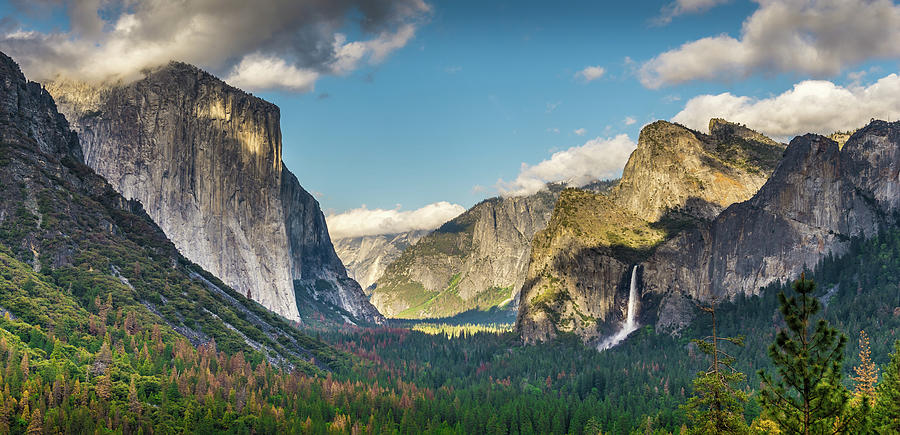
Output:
x=314 y=265
x=85 y=242
x=676 y=179
x=204 y=159
x=476 y=260
x=818 y=198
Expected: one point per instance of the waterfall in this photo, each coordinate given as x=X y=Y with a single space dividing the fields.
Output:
x=630 y=324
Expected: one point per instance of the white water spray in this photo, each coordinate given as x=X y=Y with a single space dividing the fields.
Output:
x=630 y=324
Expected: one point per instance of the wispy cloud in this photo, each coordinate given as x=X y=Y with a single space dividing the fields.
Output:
x=265 y=44
x=629 y=120
x=591 y=73
x=815 y=37
x=682 y=7
x=365 y=222
x=580 y=131
x=599 y=158
x=812 y=106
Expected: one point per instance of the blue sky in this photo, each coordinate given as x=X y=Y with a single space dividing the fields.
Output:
x=478 y=93
x=476 y=89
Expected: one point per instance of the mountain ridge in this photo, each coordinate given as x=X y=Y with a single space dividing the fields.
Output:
x=677 y=178
x=205 y=160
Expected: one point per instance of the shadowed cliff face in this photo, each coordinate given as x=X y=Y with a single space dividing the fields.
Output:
x=676 y=179
x=818 y=197
x=83 y=240
x=205 y=161
x=476 y=260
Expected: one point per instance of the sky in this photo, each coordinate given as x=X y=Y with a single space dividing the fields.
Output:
x=400 y=114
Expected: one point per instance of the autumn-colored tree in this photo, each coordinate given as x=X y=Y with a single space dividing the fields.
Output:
x=866 y=372
x=104 y=387
x=134 y=405
x=36 y=424
x=24 y=366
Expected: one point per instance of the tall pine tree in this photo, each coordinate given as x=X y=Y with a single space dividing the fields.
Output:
x=807 y=396
x=717 y=406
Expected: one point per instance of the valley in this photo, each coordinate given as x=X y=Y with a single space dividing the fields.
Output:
x=734 y=270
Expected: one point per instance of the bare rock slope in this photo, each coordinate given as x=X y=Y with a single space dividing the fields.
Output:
x=204 y=159
x=676 y=179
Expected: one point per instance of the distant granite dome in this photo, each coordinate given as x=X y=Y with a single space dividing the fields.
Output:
x=367 y=257
x=204 y=159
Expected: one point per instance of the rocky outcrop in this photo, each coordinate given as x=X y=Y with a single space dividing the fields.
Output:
x=577 y=275
x=85 y=242
x=367 y=257
x=678 y=169
x=204 y=159
x=677 y=178
x=818 y=198
x=477 y=260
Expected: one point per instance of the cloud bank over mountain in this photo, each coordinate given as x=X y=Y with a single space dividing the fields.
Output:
x=812 y=106
x=365 y=222
x=599 y=158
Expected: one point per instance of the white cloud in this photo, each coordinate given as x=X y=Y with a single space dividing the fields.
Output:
x=815 y=37
x=262 y=44
x=552 y=130
x=551 y=106
x=591 y=73
x=629 y=120
x=598 y=158
x=812 y=106
x=580 y=131
x=364 y=222
x=681 y=7
x=258 y=71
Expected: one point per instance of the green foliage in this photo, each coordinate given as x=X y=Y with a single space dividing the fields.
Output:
x=717 y=406
x=887 y=401
x=808 y=396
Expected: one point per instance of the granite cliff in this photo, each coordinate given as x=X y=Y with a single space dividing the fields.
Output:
x=73 y=249
x=204 y=160
x=820 y=196
x=677 y=178
x=367 y=257
x=476 y=260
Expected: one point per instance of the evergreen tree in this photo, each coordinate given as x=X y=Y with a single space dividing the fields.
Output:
x=807 y=397
x=717 y=406
x=887 y=402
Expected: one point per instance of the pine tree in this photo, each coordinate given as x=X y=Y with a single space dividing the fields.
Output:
x=807 y=398
x=887 y=402
x=717 y=405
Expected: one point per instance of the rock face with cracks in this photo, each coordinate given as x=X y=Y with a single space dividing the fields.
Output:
x=477 y=260
x=204 y=159
x=676 y=179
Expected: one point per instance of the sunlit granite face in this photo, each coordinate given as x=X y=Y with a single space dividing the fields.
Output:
x=204 y=159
